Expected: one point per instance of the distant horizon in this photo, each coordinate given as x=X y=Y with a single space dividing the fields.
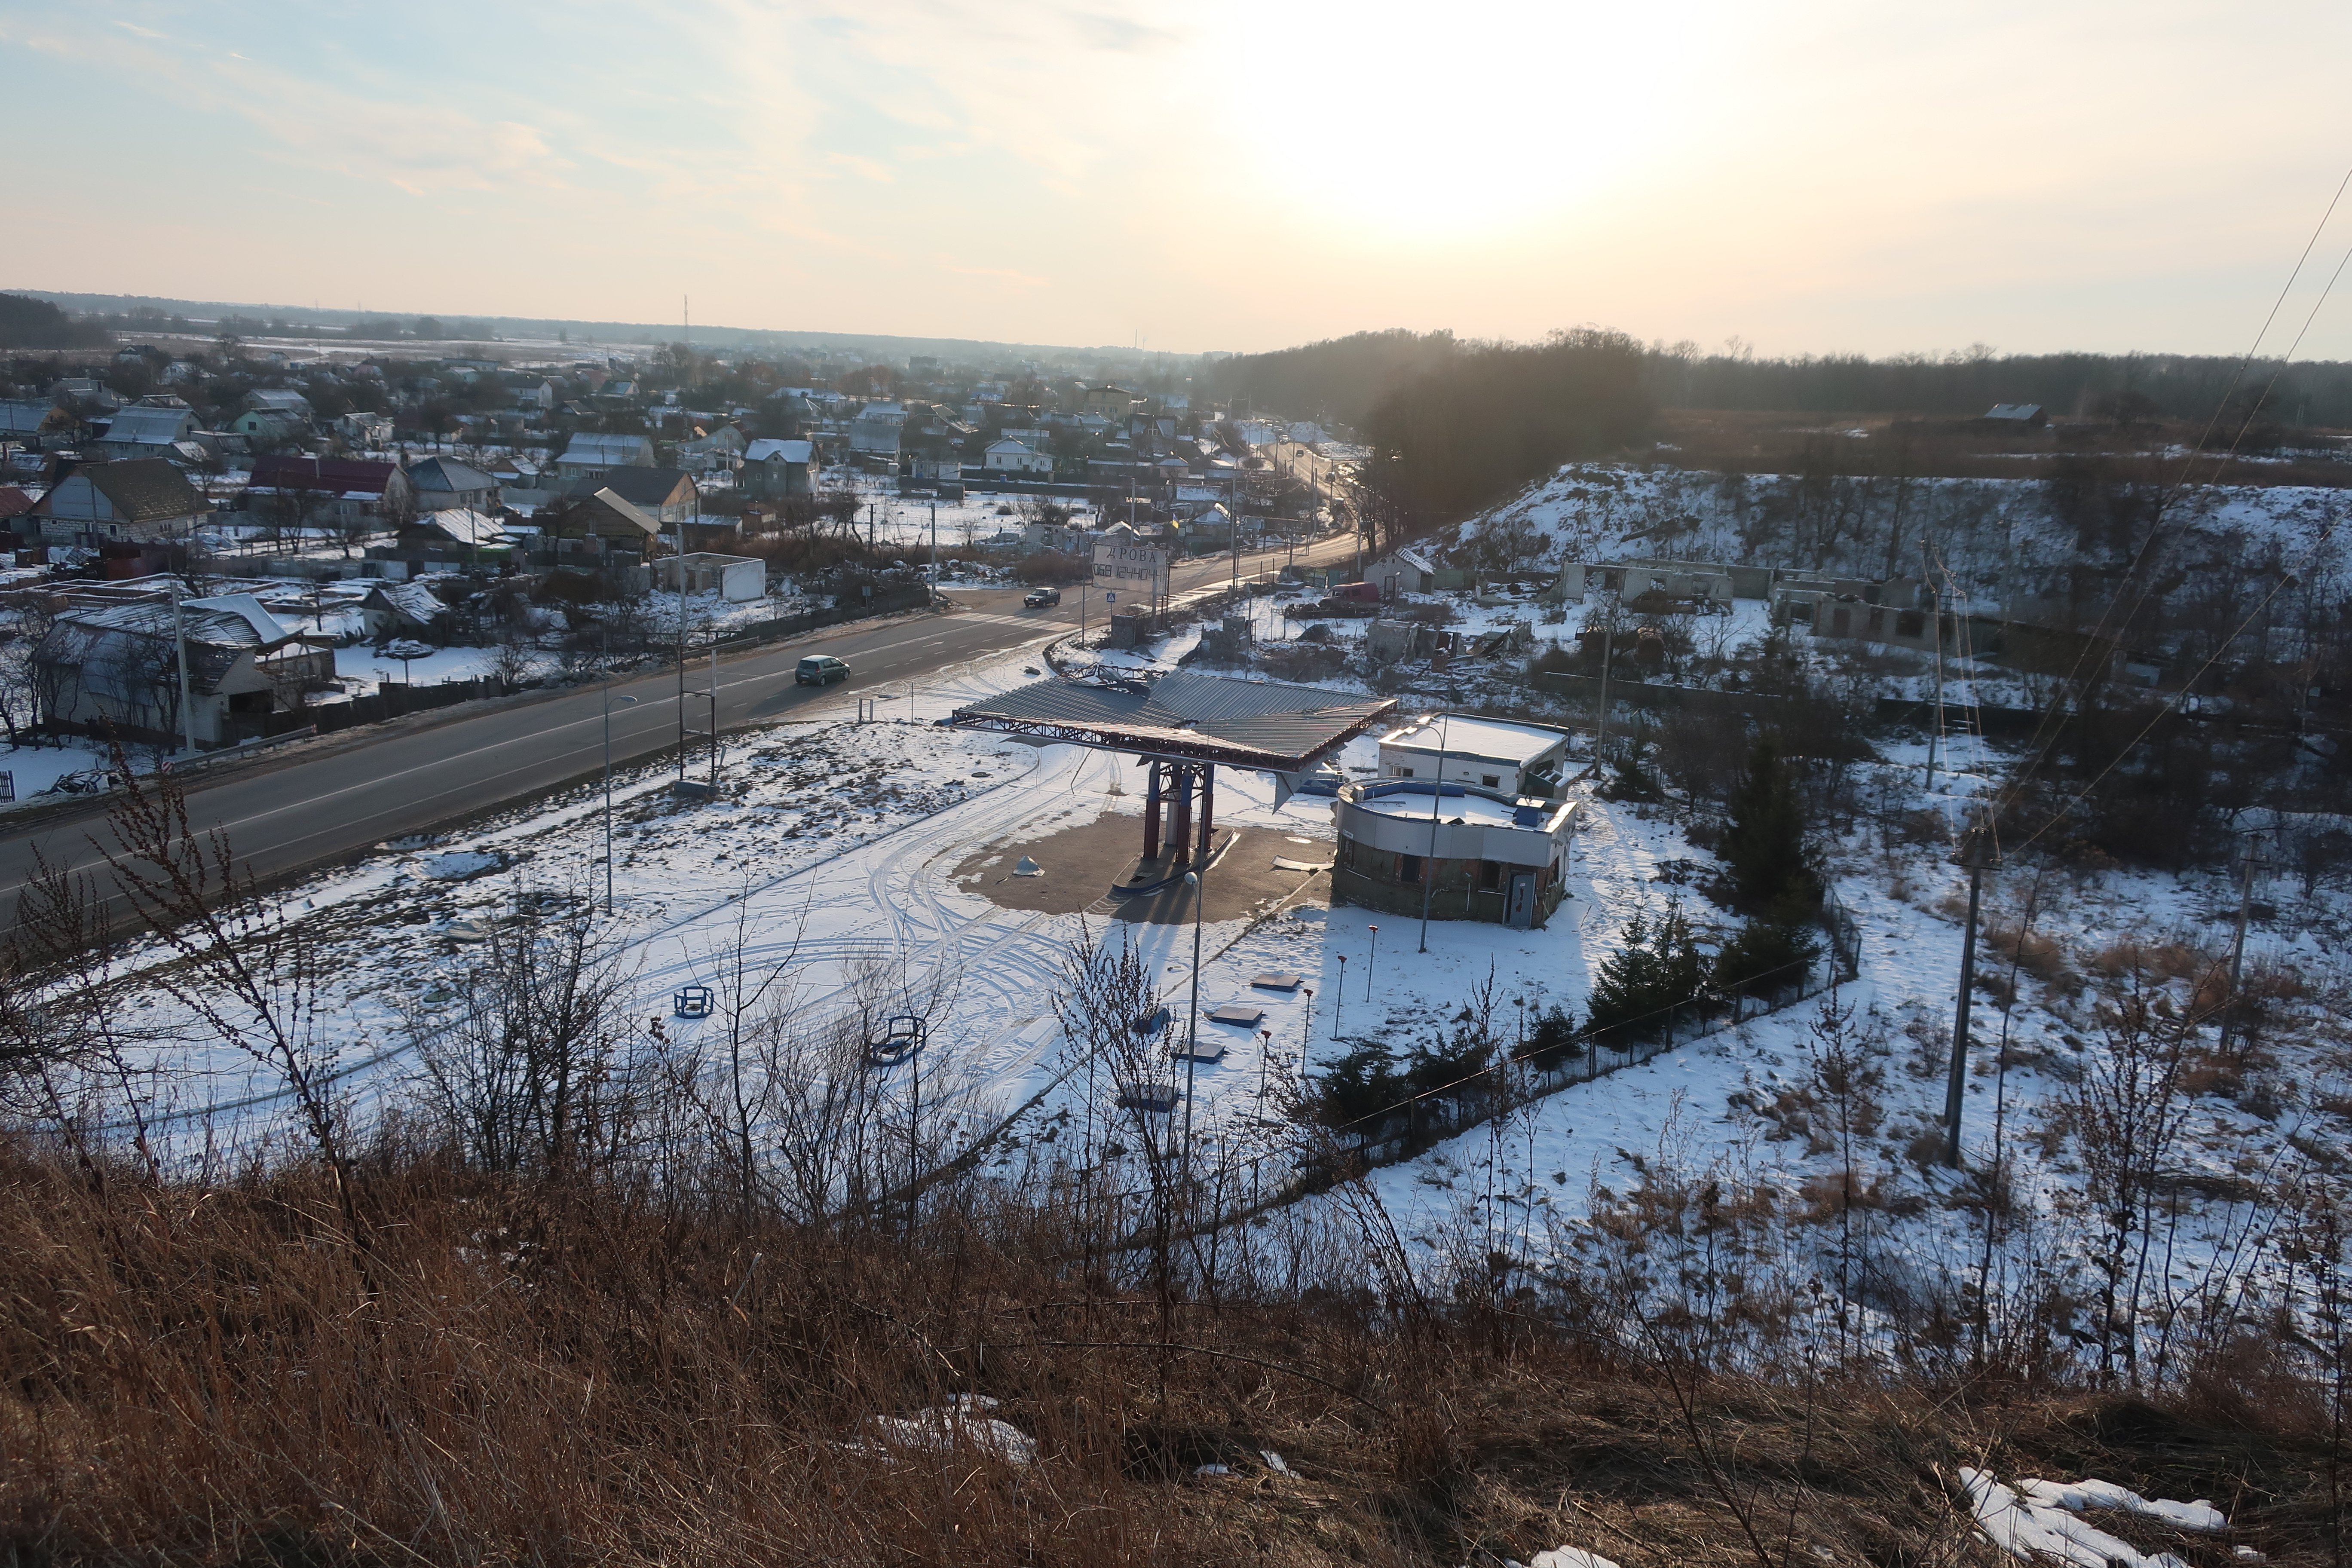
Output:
x=821 y=338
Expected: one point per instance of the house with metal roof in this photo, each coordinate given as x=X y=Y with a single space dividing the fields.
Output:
x=349 y=492
x=150 y=427
x=458 y=525
x=778 y=470
x=2015 y=417
x=137 y=500
x=443 y=483
x=605 y=514
x=119 y=667
x=590 y=456
x=668 y=496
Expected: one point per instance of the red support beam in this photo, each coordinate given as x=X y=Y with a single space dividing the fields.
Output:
x=1180 y=836
x=1208 y=783
x=1151 y=813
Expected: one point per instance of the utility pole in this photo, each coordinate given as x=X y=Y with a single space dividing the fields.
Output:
x=679 y=563
x=1608 y=658
x=1978 y=854
x=2238 y=945
x=935 y=550
x=180 y=642
x=1935 y=735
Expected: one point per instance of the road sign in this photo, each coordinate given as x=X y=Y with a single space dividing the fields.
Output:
x=1110 y=597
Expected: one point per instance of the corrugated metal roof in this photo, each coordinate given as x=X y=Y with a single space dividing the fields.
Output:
x=1248 y=723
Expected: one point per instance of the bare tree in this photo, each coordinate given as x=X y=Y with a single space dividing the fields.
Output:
x=532 y=1073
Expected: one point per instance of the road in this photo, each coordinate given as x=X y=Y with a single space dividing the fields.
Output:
x=323 y=801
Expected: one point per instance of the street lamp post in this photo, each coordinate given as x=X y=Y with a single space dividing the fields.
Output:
x=1193 y=1034
x=609 y=701
x=1339 y=999
x=1370 y=959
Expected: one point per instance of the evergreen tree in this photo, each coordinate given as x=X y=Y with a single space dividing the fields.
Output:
x=1764 y=843
x=1658 y=968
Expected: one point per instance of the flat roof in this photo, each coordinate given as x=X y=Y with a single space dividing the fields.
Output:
x=1262 y=725
x=1488 y=740
x=1475 y=810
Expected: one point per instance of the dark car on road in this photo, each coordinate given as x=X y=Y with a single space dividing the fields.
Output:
x=1041 y=598
x=819 y=669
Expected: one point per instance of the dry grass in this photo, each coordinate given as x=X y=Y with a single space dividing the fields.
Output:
x=194 y=1373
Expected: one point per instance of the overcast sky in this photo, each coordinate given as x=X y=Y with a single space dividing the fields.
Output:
x=1805 y=177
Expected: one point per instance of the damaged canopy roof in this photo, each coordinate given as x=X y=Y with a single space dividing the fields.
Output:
x=1203 y=717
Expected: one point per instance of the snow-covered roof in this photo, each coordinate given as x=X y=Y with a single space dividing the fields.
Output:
x=1468 y=808
x=760 y=451
x=1460 y=735
x=246 y=608
x=465 y=525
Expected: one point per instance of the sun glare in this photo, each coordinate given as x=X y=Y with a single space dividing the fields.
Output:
x=1405 y=128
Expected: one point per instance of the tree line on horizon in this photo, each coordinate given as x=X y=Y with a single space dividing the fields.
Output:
x=1342 y=381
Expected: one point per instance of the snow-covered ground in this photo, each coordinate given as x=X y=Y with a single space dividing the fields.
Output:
x=1998 y=538
x=830 y=861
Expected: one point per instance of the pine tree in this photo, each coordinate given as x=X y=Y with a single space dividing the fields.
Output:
x=1659 y=967
x=1764 y=843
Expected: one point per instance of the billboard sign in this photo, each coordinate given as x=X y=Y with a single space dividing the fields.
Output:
x=1139 y=569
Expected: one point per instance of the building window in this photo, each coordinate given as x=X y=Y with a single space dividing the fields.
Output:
x=1408 y=868
x=1404 y=773
x=1492 y=781
x=1909 y=623
x=1490 y=875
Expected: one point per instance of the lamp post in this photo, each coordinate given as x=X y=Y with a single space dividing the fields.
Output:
x=1193 y=1034
x=1370 y=959
x=609 y=701
x=1436 y=800
x=1339 y=999
x=1306 y=1030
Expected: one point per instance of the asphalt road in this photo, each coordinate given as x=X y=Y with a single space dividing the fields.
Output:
x=323 y=801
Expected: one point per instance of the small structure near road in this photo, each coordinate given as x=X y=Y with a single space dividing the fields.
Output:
x=1492 y=753
x=1462 y=851
x=738 y=578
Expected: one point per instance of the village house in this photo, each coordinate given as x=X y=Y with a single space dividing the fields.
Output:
x=666 y=495
x=779 y=470
x=593 y=457
x=410 y=609
x=719 y=452
x=119 y=665
x=602 y=515
x=150 y=427
x=348 y=492
x=443 y=483
x=1010 y=456
x=875 y=433
x=459 y=526
x=138 y=500
x=1405 y=572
